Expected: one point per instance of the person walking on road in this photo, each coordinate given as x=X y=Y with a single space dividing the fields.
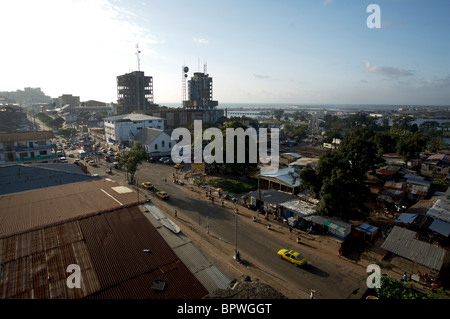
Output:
x=207 y=230
x=311 y=295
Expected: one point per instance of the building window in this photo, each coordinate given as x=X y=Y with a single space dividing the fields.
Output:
x=163 y=144
x=23 y=155
x=42 y=152
x=170 y=145
x=156 y=147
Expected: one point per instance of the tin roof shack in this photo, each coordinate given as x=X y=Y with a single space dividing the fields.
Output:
x=270 y=200
x=405 y=244
x=286 y=180
x=287 y=158
x=330 y=225
x=436 y=166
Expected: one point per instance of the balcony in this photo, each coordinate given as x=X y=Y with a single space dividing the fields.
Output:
x=24 y=148
x=37 y=158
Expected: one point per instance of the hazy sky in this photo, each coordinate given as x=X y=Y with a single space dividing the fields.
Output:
x=299 y=52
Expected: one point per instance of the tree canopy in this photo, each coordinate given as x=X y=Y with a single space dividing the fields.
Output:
x=133 y=158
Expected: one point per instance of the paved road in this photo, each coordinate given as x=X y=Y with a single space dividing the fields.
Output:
x=329 y=276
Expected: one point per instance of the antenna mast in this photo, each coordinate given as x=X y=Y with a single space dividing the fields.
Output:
x=137 y=54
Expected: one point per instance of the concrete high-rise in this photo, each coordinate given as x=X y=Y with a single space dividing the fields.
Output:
x=134 y=93
x=200 y=96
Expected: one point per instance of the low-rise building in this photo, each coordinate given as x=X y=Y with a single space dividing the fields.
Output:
x=122 y=128
x=436 y=166
x=156 y=142
x=27 y=147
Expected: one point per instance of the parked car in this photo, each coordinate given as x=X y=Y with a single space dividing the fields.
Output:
x=162 y=159
x=293 y=257
x=107 y=158
x=162 y=195
x=63 y=160
x=93 y=163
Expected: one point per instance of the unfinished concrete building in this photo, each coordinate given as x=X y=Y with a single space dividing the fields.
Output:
x=134 y=93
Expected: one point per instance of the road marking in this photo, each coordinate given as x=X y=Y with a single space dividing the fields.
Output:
x=111 y=196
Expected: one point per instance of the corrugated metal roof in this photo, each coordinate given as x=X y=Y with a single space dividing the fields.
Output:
x=402 y=242
x=26 y=136
x=191 y=255
x=116 y=242
x=22 y=177
x=440 y=210
x=39 y=208
x=34 y=264
x=300 y=206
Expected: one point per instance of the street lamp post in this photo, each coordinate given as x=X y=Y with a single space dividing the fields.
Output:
x=236 y=253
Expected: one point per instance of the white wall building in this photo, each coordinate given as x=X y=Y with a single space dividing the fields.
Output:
x=123 y=128
x=156 y=142
x=27 y=147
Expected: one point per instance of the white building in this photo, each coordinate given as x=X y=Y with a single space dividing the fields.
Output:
x=27 y=147
x=123 y=128
x=156 y=142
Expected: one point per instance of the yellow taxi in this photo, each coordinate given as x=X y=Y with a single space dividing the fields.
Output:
x=178 y=166
x=148 y=185
x=293 y=257
x=93 y=163
x=162 y=195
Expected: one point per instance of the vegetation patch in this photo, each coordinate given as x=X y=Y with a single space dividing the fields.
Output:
x=234 y=186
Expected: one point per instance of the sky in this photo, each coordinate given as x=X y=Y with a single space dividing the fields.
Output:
x=257 y=51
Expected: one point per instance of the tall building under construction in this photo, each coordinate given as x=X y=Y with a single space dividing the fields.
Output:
x=200 y=93
x=134 y=93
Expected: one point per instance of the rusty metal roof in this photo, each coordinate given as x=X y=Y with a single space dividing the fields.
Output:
x=25 y=136
x=117 y=242
x=43 y=207
x=109 y=248
x=34 y=264
x=96 y=225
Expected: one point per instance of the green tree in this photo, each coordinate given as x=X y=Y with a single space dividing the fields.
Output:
x=391 y=288
x=403 y=122
x=360 y=149
x=67 y=132
x=277 y=114
x=133 y=158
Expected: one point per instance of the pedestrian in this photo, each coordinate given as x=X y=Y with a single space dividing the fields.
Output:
x=340 y=252
x=405 y=277
x=207 y=230
x=267 y=216
x=311 y=296
x=298 y=239
x=257 y=212
x=176 y=214
x=290 y=229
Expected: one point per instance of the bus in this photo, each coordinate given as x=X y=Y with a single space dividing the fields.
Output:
x=82 y=154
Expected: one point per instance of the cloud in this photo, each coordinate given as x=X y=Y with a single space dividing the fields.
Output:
x=389 y=71
x=200 y=40
x=262 y=76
